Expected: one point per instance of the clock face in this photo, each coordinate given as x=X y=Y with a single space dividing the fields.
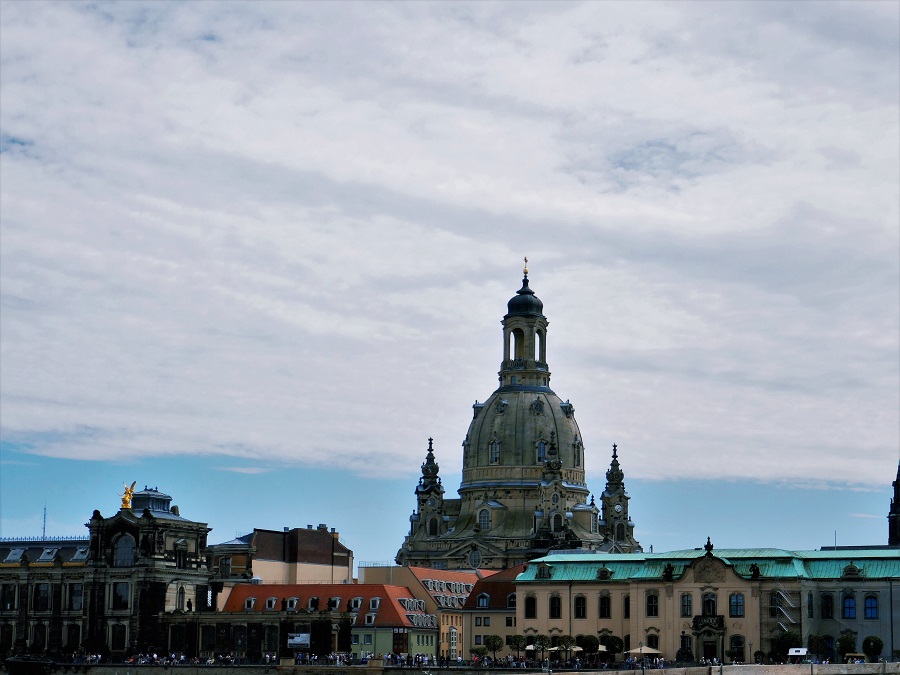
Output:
x=432 y=502
x=618 y=508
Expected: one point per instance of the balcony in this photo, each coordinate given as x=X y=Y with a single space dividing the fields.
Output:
x=714 y=622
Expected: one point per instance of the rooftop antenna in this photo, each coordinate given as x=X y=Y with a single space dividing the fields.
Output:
x=44 y=527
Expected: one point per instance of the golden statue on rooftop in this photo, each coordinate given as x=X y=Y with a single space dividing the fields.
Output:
x=127 y=495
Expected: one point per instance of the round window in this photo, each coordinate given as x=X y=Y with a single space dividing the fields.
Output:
x=555 y=498
x=474 y=559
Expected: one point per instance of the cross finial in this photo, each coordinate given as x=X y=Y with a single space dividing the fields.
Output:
x=615 y=450
x=429 y=442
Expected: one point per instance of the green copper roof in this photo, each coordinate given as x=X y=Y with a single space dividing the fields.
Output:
x=773 y=563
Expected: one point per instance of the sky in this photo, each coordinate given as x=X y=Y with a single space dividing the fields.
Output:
x=256 y=254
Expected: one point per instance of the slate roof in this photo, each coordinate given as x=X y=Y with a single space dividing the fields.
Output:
x=497 y=587
x=390 y=613
x=875 y=563
x=72 y=551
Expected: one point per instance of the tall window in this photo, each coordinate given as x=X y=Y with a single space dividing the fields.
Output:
x=849 y=607
x=555 y=607
x=605 y=607
x=620 y=532
x=775 y=604
x=652 y=605
x=75 y=598
x=626 y=607
x=495 y=452
x=118 y=634
x=123 y=554
x=871 y=607
x=827 y=606
x=225 y=567
x=484 y=519
x=482 y=600
x=530 y=607
x=41 y=598
x=687 y=604
x=432 y=527
x=653 y=641
x=541 y=451
x=736 y=605
x=580 y=607
x=8 y=597
x=511 y=601
x=709 y=604
x=179 y=598
x=594 y=523
x=120 y=595
x=809 y=605
x=737 y=645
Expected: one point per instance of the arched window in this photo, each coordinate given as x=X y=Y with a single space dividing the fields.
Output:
x=849 y=607
x=827 y=606
x=737 y=647
x=530 y=607
x=594 y=523
x=871 y=607
x=577 y=454
x=580 y=607
x=557 y=523
x=495 y=452
x=709 y=604
x=605 y=607
x=736 y=605
x=555 y=607
x=653 y=641
x=687 y=605
x=518 y=344
x=541 y=451
x=482 y=600
x=620 y=532
x=432 y=527
x=652 y=604
x=123 y=551
x=484 y=519
x=179 y=598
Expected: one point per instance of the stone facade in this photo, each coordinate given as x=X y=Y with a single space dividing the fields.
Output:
x=523 y=489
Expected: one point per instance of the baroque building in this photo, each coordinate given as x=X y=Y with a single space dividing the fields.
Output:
x=894 y=513
x=523 y=490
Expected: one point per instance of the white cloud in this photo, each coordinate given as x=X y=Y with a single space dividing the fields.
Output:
x=286 y=232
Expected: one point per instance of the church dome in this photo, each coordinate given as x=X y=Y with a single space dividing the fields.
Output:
x=525 y=302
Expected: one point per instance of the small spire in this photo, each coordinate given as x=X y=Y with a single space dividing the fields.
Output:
x=615 y=451
x=709 y=546
x=525 y=271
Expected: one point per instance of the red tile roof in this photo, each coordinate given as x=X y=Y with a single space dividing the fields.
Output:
x=497 y=587
x=390 y=613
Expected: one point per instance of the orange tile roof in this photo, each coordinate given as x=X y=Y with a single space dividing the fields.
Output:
x=390 y=612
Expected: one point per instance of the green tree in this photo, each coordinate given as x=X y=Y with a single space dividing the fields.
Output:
x=816 y=644
x=493 y=643
x=480 y=652
x=783 y=642
x=566 y=642
x=846 y=644
x=541 y=642
x=614 y=645
x=517 y=642
x=590 y=644
x=872 y=646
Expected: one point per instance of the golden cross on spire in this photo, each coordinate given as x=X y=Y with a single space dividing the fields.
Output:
x=526 y=266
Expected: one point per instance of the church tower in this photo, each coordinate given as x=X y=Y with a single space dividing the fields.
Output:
x=523 y=489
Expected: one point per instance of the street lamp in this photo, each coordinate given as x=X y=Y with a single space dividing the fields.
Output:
x=751 y=651
x=641 y=652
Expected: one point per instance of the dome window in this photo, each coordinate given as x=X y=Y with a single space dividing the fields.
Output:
x=495 y=452
x=484 y=519
x=541 y=452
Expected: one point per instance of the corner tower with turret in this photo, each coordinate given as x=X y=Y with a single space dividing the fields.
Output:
x=523 y=489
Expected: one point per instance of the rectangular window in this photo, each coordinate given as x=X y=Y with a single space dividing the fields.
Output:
x=477 y=639
x=652 y=605
x=827 y=606
x=510 y=622
x=736 y=605
x=809 y=605
x=120 y=595
x=555 y=607
x=477 y=620
x=687 y=605
x=653 y=641
x=75 y=600
x=118 y=637
x=8 y=597
x=849 y=607
x=354 y=639
x=225 y=567
x=871 y=607
x=367 y=639
x=487 y=621
x=41 y=598
x=626 y=606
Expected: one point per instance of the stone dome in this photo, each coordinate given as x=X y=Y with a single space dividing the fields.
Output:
x=524 y=302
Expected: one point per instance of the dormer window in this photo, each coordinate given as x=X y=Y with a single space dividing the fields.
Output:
x=543 y=571
x=374 y=603
x=15 y=555
x=47 y=555
x=271 y=603
x=511 y=601
x=249 y=603
x=370 y=619
x=334 y=604
x=355 y=604
x=482 y=600
x=292 y=604
x=313 y=604
x=81 y=553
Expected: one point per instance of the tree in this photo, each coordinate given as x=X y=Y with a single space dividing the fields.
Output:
x=479 y=652
x=566 y=642
x=590 y=644
x=816 y=644
x=493 y=643
x=872 y=646
x=517 y=642
x=783 y=642
x=613 y=644
x=541 y=642
x=846 y=644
